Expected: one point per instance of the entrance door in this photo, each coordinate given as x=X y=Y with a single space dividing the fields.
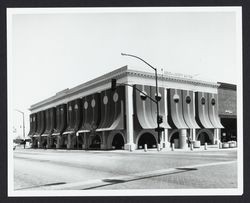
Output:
x=118 y=142
x=148 y=139
x=96 y=142
x=203 y=137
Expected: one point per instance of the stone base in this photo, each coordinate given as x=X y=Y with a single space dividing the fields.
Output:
x=129 y=146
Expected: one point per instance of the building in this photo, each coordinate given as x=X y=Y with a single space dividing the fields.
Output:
x=93 y=116
x=227 y=111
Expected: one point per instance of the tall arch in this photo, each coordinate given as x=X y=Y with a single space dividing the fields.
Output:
x=95 y=141
x=147 y=138
x=171 y=134
x=118 y=141
x=205 y=135
x=111 y=136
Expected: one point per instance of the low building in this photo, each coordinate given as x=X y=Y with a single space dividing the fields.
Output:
x=93 y=116
x=228 y=111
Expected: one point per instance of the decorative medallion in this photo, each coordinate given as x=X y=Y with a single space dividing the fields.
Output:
x=85 y=105
x=188 y=99
x=70 y=108
x=93 y=103
x=76 y=106
x=176 y=98
x=105 y=99
x=213 y=101
x=115 y=97
x=203 y=101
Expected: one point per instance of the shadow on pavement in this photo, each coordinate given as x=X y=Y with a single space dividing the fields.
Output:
x=117 y=181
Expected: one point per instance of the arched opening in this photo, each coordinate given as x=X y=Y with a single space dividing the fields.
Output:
x=95 y=142
x=64 y=141
x=118 y=142
x=34 y=142
x=44 y=142
x=175 y=139
x=53 y=142
x=204 y=137
x=148 y=139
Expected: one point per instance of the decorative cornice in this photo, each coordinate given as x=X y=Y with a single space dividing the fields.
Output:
x=118 y=74
x=172 y=78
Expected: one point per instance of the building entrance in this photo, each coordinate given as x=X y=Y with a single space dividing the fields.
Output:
x=44 y=142
x=53 y=142
x=229 y=132
x=203 y=137
x=34 y=142
x=118 y=141
x=95 y=142
x=175 y=136
x=64 y=141
x=148 y=139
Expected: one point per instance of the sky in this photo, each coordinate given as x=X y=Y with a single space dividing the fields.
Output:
x=54 y=51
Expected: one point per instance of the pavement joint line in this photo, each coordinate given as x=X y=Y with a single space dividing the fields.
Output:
x=124 y=178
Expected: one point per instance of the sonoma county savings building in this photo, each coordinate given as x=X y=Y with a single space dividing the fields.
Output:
x=92 y=116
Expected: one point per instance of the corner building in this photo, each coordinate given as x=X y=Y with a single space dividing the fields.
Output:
x=92 y=116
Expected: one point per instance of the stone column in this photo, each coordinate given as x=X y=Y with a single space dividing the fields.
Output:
x=70 y=144
x=166 y=143
x=84 y=138
x=58 y=141
x=40 y=139
x=216 y=138
x=104 y=141
x=130 y=145
x=183 y=139
x=193 y=134
x=49 y=141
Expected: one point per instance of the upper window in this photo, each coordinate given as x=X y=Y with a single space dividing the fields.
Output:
x=213 y=101
x=188 y=99
x=203 y=101
x=176 y=98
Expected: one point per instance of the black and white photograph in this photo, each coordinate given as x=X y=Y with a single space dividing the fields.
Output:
x=129 y=101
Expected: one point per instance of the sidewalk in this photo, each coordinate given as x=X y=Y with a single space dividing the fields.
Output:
x=210 y=148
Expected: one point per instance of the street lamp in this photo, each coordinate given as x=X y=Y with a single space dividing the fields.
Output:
x=157 y=97
x=23 y=122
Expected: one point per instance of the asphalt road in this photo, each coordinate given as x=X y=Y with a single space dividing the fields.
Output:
x=88 y=170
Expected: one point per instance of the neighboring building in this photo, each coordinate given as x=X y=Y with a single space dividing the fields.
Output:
x=92 y=116
x=227 y=111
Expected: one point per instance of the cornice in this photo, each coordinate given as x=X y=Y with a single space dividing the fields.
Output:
x=97 y=82
x=172 y=78
x=119 y=73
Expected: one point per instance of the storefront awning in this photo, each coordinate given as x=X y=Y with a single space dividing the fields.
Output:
x=201 y=104
x=175 y=109
x=112 y=110
x=189 y=109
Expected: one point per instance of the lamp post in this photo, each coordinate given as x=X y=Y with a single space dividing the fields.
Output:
x=157 y=99
x=23 y=122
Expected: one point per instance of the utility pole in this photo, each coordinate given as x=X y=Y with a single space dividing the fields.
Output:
x=23 y=122
x=157 y=98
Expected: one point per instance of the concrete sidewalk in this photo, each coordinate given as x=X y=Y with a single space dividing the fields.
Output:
x=210 y=148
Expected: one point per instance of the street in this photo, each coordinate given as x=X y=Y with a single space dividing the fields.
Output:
x=39 y=169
